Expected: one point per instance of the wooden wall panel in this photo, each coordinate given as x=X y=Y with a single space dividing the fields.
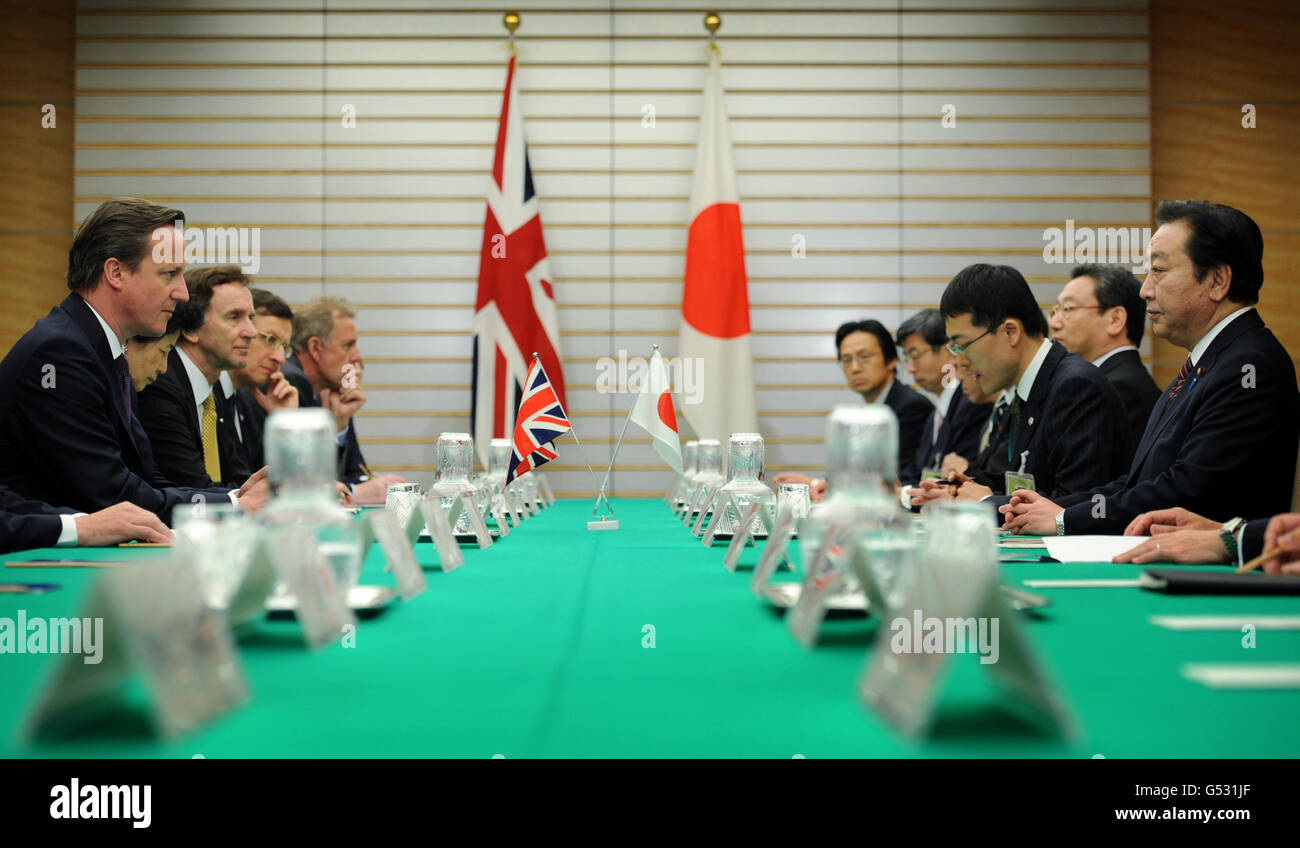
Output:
x=1208 y=59
x=36 y=168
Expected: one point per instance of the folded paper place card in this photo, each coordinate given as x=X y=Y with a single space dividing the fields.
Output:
x=1100 y=583
x=948 y=604
x=303 y=566
x=400 y=556
x=824 y=577
x=449 y=553
x=1227 y=622
x=150 y=619
x=775 y=552
x=1244 y=675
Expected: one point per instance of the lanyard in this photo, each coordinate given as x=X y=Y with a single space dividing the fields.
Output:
x=1011 y=439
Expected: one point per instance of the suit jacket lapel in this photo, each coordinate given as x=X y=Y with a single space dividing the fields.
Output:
x=1031 y=410
x=86 y=321
x=1168 y=411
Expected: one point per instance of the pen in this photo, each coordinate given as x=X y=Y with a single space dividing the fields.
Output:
x=27 y=588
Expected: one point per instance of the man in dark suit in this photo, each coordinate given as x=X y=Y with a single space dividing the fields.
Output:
x=956 y=423
x=185 y=411
x=69 y=428
x=1100 y=316
x=1229 y=419
x=28 y=524
x=870 y=362
x=260 y=387
x=1064 y=425
x=326 y=371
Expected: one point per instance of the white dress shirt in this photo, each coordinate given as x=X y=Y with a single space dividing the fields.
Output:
x=1108 y=354
x=68 y=537
x=1204 y=344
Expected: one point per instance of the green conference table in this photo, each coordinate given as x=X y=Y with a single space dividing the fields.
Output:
x=533 y=648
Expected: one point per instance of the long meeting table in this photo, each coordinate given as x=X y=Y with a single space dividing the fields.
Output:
x=561 y=642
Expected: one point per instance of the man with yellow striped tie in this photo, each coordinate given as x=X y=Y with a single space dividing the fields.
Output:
x=186 y=414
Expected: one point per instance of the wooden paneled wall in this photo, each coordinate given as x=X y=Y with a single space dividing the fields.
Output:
x=1209 y=59
x=37 y=162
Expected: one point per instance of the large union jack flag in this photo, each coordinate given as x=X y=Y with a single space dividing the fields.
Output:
x=541 y=421
x=514 y=314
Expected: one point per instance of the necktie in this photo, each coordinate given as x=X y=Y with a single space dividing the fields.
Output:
x=995 y=421
x=1015 y=424
x=127 y=388
x=1183 y=374
x=211 y=455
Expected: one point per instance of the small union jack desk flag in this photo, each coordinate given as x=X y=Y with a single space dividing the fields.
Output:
x=541 y=420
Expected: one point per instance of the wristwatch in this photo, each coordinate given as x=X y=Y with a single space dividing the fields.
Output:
x=1060 y=523
x=1228 y=532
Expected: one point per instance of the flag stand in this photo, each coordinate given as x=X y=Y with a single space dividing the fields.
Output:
x=603 y=522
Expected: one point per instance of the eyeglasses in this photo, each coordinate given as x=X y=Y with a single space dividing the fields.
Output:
x=915 y=355
x=274 y=341
x=861 y=359
x=960 y=349
x=1061 y=309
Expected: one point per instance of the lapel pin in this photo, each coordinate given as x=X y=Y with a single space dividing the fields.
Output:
x=1031 y=421
x=1200 y=372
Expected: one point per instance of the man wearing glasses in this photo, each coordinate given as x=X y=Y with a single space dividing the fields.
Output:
x=1100 y=316
x=954 y=429
x=260 y=387
x=869 y=360
x=1064 y=426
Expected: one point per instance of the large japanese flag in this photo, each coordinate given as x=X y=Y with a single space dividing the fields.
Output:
x=715 y=297
x=654 y=413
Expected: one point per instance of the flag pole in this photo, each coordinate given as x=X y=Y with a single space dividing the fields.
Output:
x=572 y=432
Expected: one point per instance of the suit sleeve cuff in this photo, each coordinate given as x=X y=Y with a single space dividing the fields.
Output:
x=68 y=538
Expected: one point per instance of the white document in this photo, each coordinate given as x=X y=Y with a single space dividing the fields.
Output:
x=1245 y=675
x=1082 y=584
x=1090 y=548
x=1227 y=622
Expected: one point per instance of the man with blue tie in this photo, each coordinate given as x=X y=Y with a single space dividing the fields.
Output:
x=1229 y=419
x=69 y=427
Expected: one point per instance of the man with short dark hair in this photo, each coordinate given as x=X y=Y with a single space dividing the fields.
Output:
x=870 y=362
x=956 y=422
x=1064 y=424
x=1100 y=316
x=185 y=412
x=260 y=387
x=1228 y=420
x=69 y=431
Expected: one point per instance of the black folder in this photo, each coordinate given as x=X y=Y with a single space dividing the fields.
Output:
x=1186 y=582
